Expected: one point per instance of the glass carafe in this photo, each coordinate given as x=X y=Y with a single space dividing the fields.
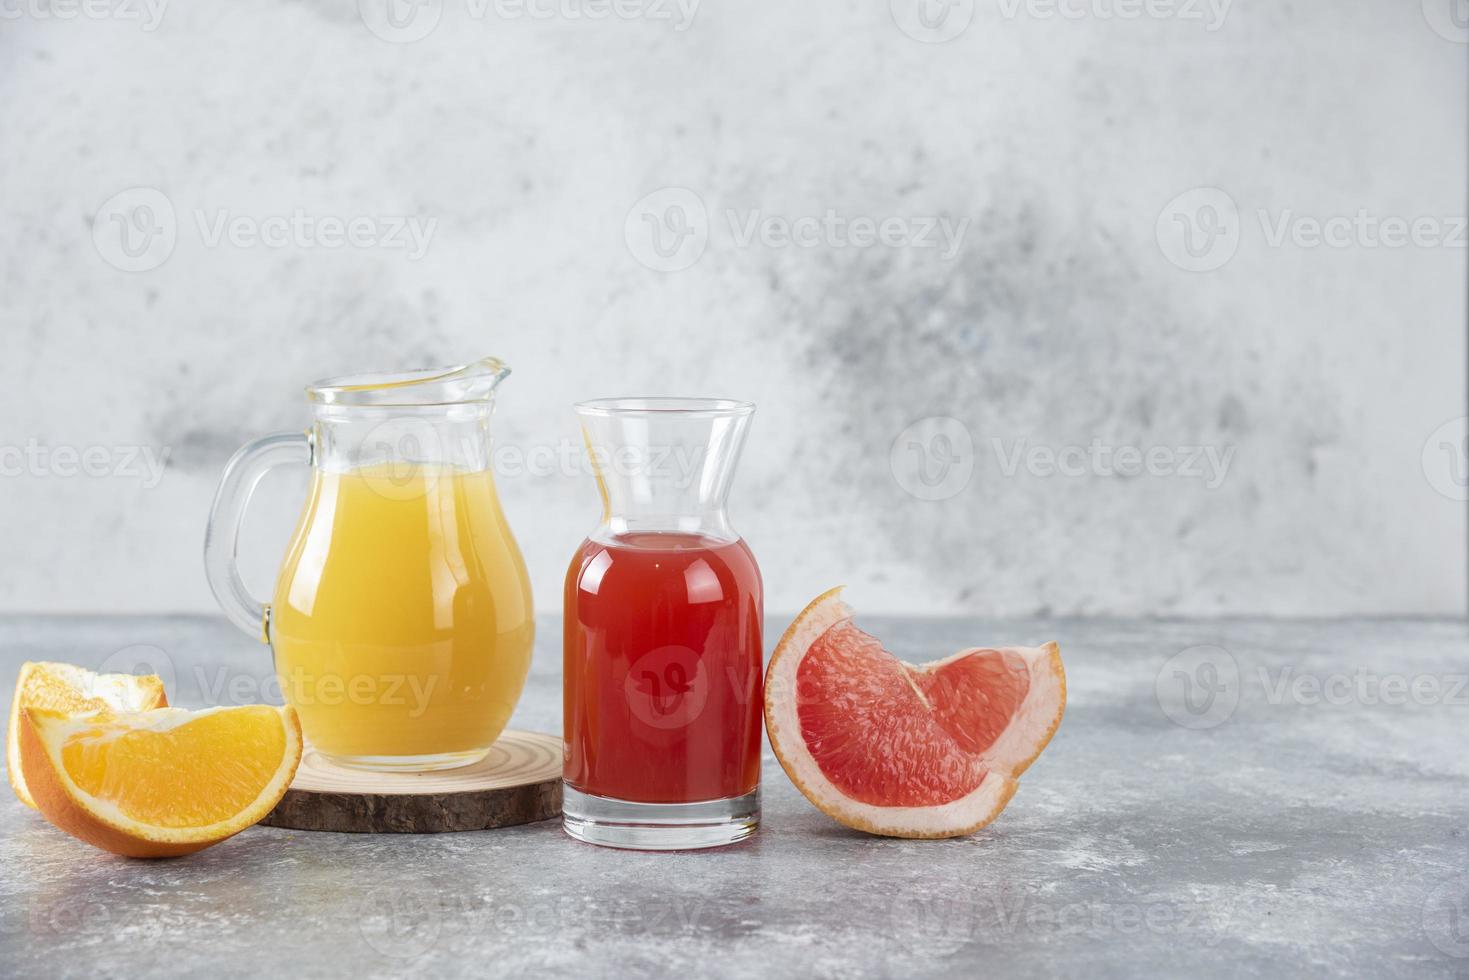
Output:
x=401 y=622
x=662 y=645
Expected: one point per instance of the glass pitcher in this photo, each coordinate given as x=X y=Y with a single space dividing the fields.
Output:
x=662 y=646
x=401 y=622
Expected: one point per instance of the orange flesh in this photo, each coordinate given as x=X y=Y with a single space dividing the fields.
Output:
x=887 y=734
x=196 y=774
x=46 y=690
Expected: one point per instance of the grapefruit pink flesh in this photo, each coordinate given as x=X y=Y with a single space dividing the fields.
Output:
x=906 y=751
x=891 y=734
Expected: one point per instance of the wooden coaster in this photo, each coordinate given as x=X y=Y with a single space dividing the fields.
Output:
x=518 y=782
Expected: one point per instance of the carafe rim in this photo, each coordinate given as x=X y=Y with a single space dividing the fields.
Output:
x=665 y=406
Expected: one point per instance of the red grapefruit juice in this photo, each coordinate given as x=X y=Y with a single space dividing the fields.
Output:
x=663 y=659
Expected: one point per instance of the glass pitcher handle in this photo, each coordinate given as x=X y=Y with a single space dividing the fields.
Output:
x=222 y=537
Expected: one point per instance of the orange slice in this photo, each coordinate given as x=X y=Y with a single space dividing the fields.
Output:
x=72 y=690
x=901 y=750
x=159 y=783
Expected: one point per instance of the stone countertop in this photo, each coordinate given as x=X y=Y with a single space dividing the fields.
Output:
x=1309 y=820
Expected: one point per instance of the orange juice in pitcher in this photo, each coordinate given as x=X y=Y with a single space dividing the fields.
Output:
x=401 y=620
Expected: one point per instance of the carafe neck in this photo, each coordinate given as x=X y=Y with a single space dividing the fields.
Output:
x=664 y=465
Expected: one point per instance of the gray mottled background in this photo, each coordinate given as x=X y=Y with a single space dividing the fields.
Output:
x=1075 y=152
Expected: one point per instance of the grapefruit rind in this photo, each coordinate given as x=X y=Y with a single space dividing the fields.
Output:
x=120 y=692
x=1029 y=731
x=99 y=822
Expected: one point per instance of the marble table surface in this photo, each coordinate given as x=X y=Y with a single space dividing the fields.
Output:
x=1224 y=798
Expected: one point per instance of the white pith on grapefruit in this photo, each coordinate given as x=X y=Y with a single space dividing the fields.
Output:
x=901 y=750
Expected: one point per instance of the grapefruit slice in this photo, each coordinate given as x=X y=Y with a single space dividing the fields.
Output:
x=159 y=783
x=71 y=690
x=889 y=748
